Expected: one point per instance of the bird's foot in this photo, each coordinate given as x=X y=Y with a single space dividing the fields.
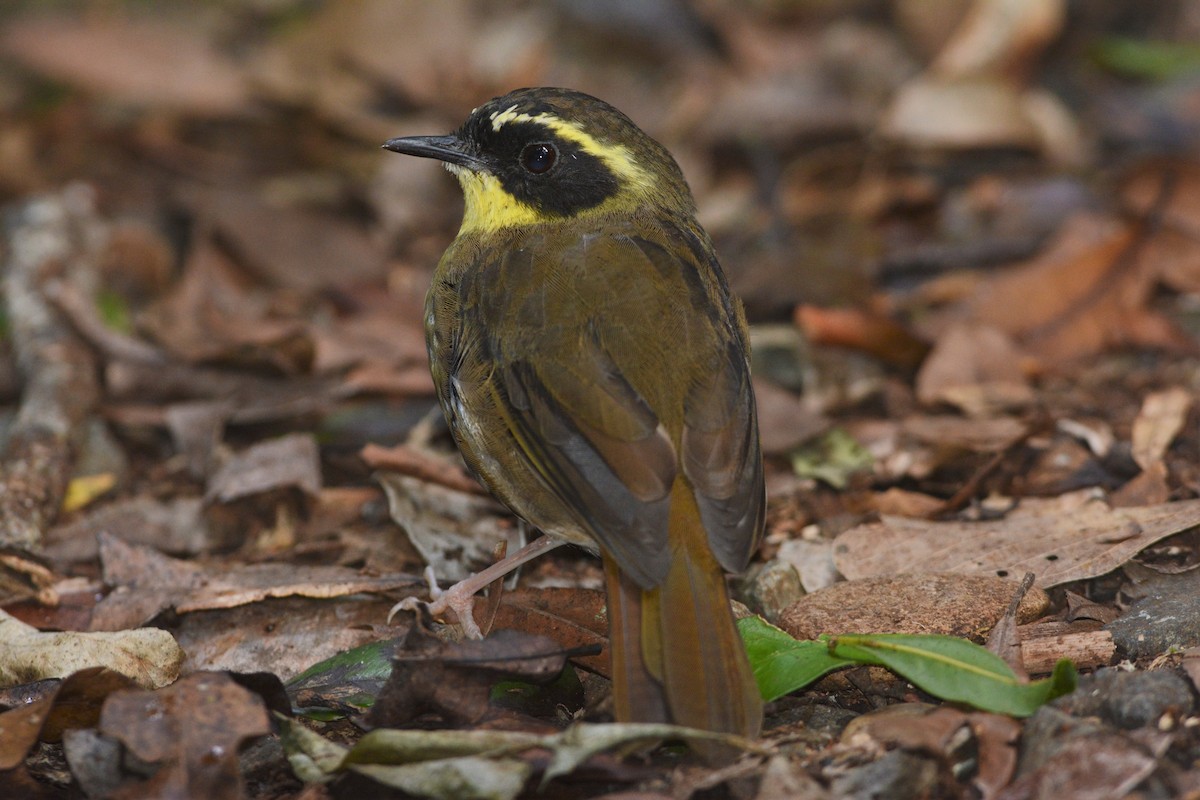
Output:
x=459 y=598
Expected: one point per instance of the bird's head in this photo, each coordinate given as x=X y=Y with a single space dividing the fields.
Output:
x=541 y=155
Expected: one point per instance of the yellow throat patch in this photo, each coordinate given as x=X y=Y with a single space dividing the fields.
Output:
x=487 y=206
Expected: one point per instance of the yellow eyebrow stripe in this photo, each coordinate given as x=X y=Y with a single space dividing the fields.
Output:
x=617 y=157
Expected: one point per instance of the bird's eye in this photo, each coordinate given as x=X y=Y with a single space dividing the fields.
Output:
x=538 y=158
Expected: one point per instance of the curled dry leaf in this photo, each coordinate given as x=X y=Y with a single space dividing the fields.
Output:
x=1157 y=424
x=1085 y=291
x=919 y=444
x=978 y=112
x=454 y=531
x=864 y=330
x=153 y=582
x=214 y=315
x=949 y=733
x=1001 y=38
x=417 y=463
x=149 y=656
x=974 y=93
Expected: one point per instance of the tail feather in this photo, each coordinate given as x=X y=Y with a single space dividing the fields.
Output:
x=677 y=655
x=637 y=694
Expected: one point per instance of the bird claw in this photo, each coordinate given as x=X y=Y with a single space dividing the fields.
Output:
x=459 y=598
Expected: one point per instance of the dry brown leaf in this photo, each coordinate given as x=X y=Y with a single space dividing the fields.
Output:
x=1174 y=251
x=143 y=62
x=1148 y=487
x=1001 y=37
x=1083 y=293
x=980 y=112
x=864 y=330
x=175 y=526
x=919 y=603
x=976 y=369
x=409 y=380
x=406 y=460
x=431 y=55
x=383 y=346
x=455 y=679
x=974 y=94
x=287 y=635
x=292 y=248
x=573 y=618
x=73 y=703
x=149 y=656
x=152 y=582
x=213 y=315
x=904 y=503
x=997 y=737
x=193 y=729
x=1067 y=538
x=288 y=462
x=1158 y=422
x=1103 y=765
x=917 y=445
x=783 y=779
x=939 y=731
x=976 y=435
x=455 y=532
x=1004 y=639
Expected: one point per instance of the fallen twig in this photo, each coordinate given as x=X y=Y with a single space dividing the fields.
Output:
x=46 y=238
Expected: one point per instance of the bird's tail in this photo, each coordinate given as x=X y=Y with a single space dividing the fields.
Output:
x=676 y=653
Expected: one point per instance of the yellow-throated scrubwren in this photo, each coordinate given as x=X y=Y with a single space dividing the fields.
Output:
x=594 y=371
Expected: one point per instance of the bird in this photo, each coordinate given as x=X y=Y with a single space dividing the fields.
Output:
x=593 y=368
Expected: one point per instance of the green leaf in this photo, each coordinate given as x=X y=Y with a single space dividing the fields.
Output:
x=347 y=682
x=781 y=663
x=1136 y=58
x=371 y=661
x=955 y=669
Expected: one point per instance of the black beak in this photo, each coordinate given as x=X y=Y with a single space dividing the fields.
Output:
x=450 y=149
